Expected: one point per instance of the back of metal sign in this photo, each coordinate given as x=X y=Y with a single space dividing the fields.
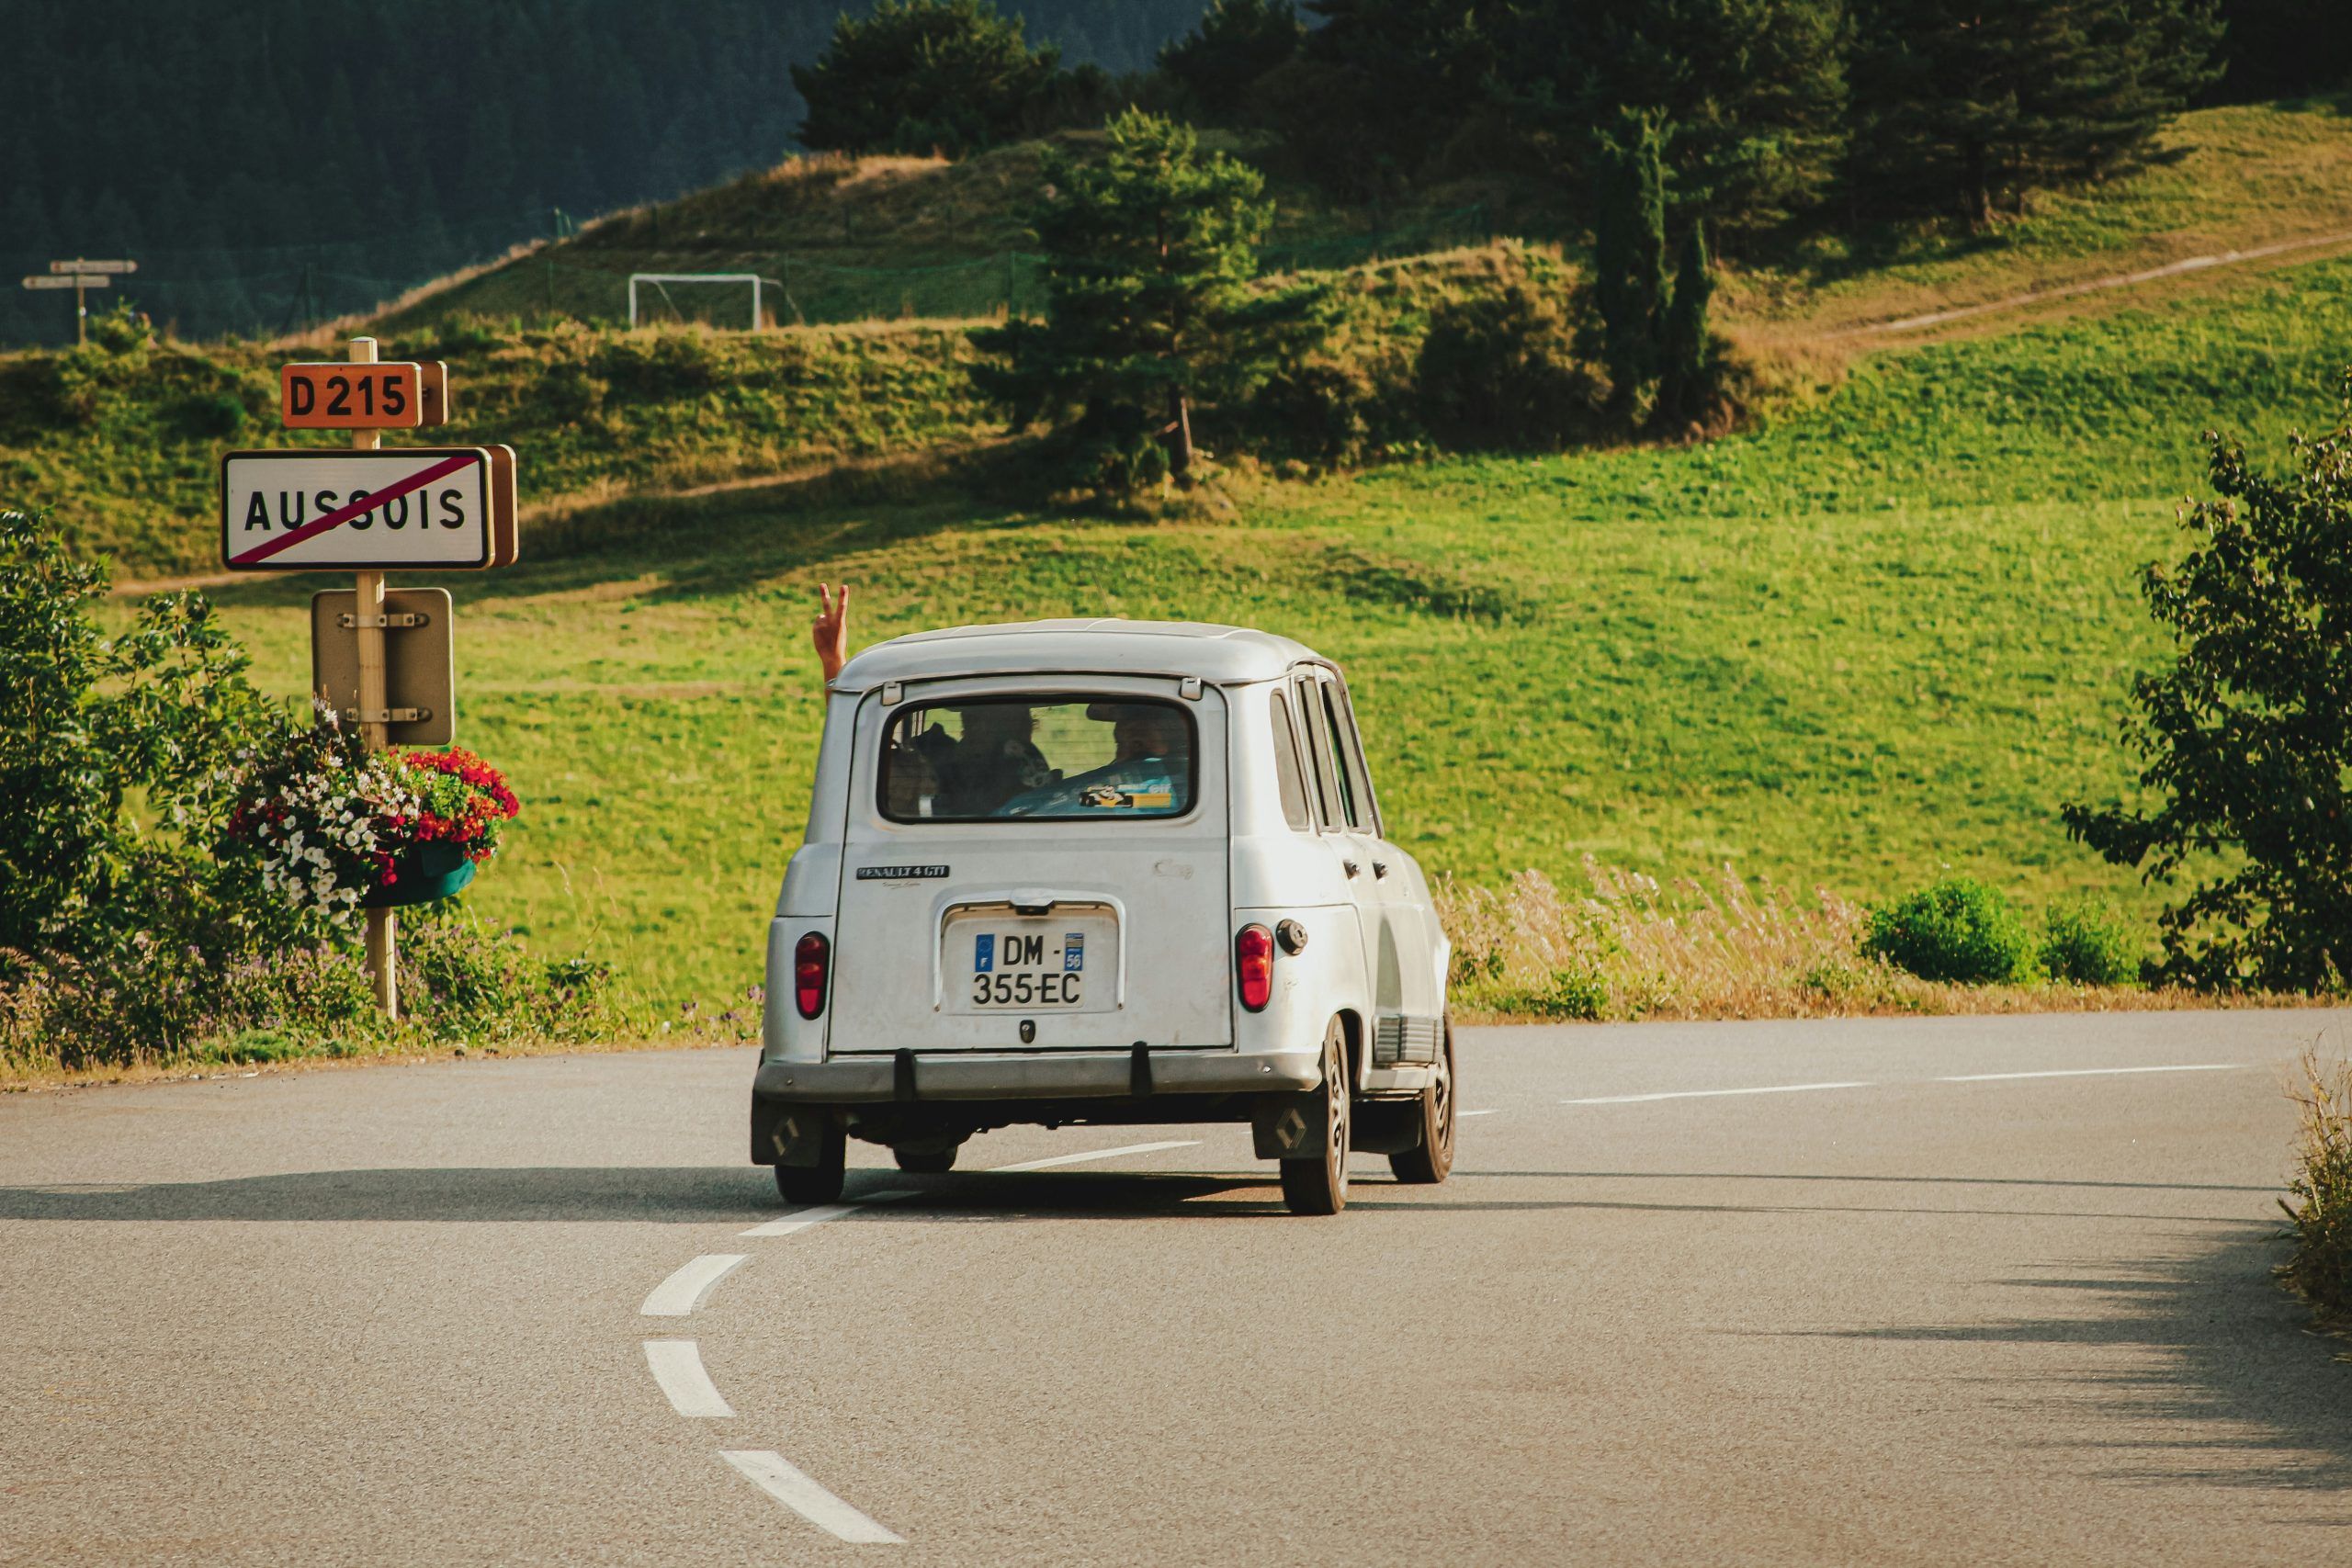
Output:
x=420 y=666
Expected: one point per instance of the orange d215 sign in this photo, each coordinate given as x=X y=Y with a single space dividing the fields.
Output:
x=338 y=395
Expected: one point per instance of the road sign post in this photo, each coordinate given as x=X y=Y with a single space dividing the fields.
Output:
x=367 y=630
x=369 y=511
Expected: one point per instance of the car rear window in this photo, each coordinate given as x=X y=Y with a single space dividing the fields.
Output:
x=1060 y=758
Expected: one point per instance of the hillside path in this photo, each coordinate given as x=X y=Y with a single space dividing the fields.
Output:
x=2093 y=285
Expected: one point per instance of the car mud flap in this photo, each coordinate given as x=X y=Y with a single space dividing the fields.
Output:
x=1386 y=1126
x=1139 y=1071
x=1289 y=1126
x=789 y=1134
x=902 y=1075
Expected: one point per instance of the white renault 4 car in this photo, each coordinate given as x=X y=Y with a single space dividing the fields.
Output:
x=1101 y=872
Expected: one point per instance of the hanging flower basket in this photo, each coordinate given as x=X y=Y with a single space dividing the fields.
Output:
x=420 y=873
x=334 y=828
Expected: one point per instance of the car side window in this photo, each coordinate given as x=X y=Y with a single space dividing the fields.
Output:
x=1328 y=815
x=1290 y=776
x=1351 y=747
x=1350 y=808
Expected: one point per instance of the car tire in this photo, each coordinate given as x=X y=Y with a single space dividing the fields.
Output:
x=928 y=1162
x=821 y=1182
x=1428 y=1164
x=1319 y=1184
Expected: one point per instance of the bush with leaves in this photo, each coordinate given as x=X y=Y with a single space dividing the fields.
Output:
x=2245 y=741
x=1500 y=370
x=114 y=752
x=1956 y=930
x=2085 y=942
x=122 y=935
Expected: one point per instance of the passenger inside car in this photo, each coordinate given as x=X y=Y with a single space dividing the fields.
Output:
x=994 y=760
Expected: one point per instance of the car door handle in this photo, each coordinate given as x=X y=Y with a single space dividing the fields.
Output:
x=1379 y=869
x=1353 y=869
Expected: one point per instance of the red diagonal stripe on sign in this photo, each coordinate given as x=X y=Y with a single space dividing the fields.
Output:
x=337 y=518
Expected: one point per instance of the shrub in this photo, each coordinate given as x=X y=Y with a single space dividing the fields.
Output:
x=463 y=981
x=1956 y=930
x=209 y=416
x=113 y=754
x=1566 y=993
x=2085 y=942
x=2321 y=1212
x=1500 y=370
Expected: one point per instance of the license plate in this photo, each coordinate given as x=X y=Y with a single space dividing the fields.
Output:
x=998 y=961
x=1031 y=969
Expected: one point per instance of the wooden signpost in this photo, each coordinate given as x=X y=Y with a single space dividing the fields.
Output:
x=81 y=276
x=369 y=511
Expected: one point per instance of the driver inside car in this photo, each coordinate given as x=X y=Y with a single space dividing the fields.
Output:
x=1151 y=747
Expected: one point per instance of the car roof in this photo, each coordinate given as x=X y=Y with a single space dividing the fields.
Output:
x=1219 y=655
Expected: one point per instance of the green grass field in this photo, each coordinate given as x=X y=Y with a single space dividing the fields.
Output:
x=1885 y=633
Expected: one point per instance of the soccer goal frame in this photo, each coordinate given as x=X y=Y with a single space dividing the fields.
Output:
x=660 y=279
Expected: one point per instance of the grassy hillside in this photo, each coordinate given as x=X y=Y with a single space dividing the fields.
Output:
x=840 y=237
x=893 y=237
x=124 y=445
x=1883 y=634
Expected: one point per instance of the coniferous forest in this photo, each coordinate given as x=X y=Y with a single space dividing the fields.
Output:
x=269 y=161
x=274 y=162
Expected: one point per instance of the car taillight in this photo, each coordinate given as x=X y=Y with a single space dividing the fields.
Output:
x=1253 y=965
x=811 y=959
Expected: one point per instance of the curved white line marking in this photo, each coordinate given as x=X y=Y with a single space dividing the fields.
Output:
x=1095 y=1153
x=777 y=1476
x=1711 y=1093
x=676 y=1365
x=678 y=1295
x=2094 y=1072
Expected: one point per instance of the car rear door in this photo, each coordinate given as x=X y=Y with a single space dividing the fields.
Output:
x=1021 y=935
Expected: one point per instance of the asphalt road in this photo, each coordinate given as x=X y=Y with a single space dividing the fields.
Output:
x=1897 y=1313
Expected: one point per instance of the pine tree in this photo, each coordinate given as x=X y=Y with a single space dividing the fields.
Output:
x=1960 y=104
x=1687 y=359
x=1149 y=253
x=919 y=75
x=1629 y=256
x=1233 y=46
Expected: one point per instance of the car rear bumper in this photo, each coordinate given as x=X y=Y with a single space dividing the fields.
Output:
x=976 y=1075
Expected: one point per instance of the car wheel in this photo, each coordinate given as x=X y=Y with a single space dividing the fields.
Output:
x=928 y=1162
x=1434 y=1158
x=1319 y=1184
x=821 y=1182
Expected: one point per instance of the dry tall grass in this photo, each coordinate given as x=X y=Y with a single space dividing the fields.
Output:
x=2320 y=1270
x=1634 y=948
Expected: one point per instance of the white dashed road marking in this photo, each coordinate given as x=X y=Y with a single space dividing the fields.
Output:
x=1479 y=1113
x=677 y=1366
x=1710 y=1093
x=1095 y=1153
x=678 y=1295
x=2093 y=1072
x=776 y=1476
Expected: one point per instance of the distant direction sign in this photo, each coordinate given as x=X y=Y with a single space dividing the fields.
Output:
x=411 y=507
x=340 y=395
x=90 y=267
x=76 y=281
